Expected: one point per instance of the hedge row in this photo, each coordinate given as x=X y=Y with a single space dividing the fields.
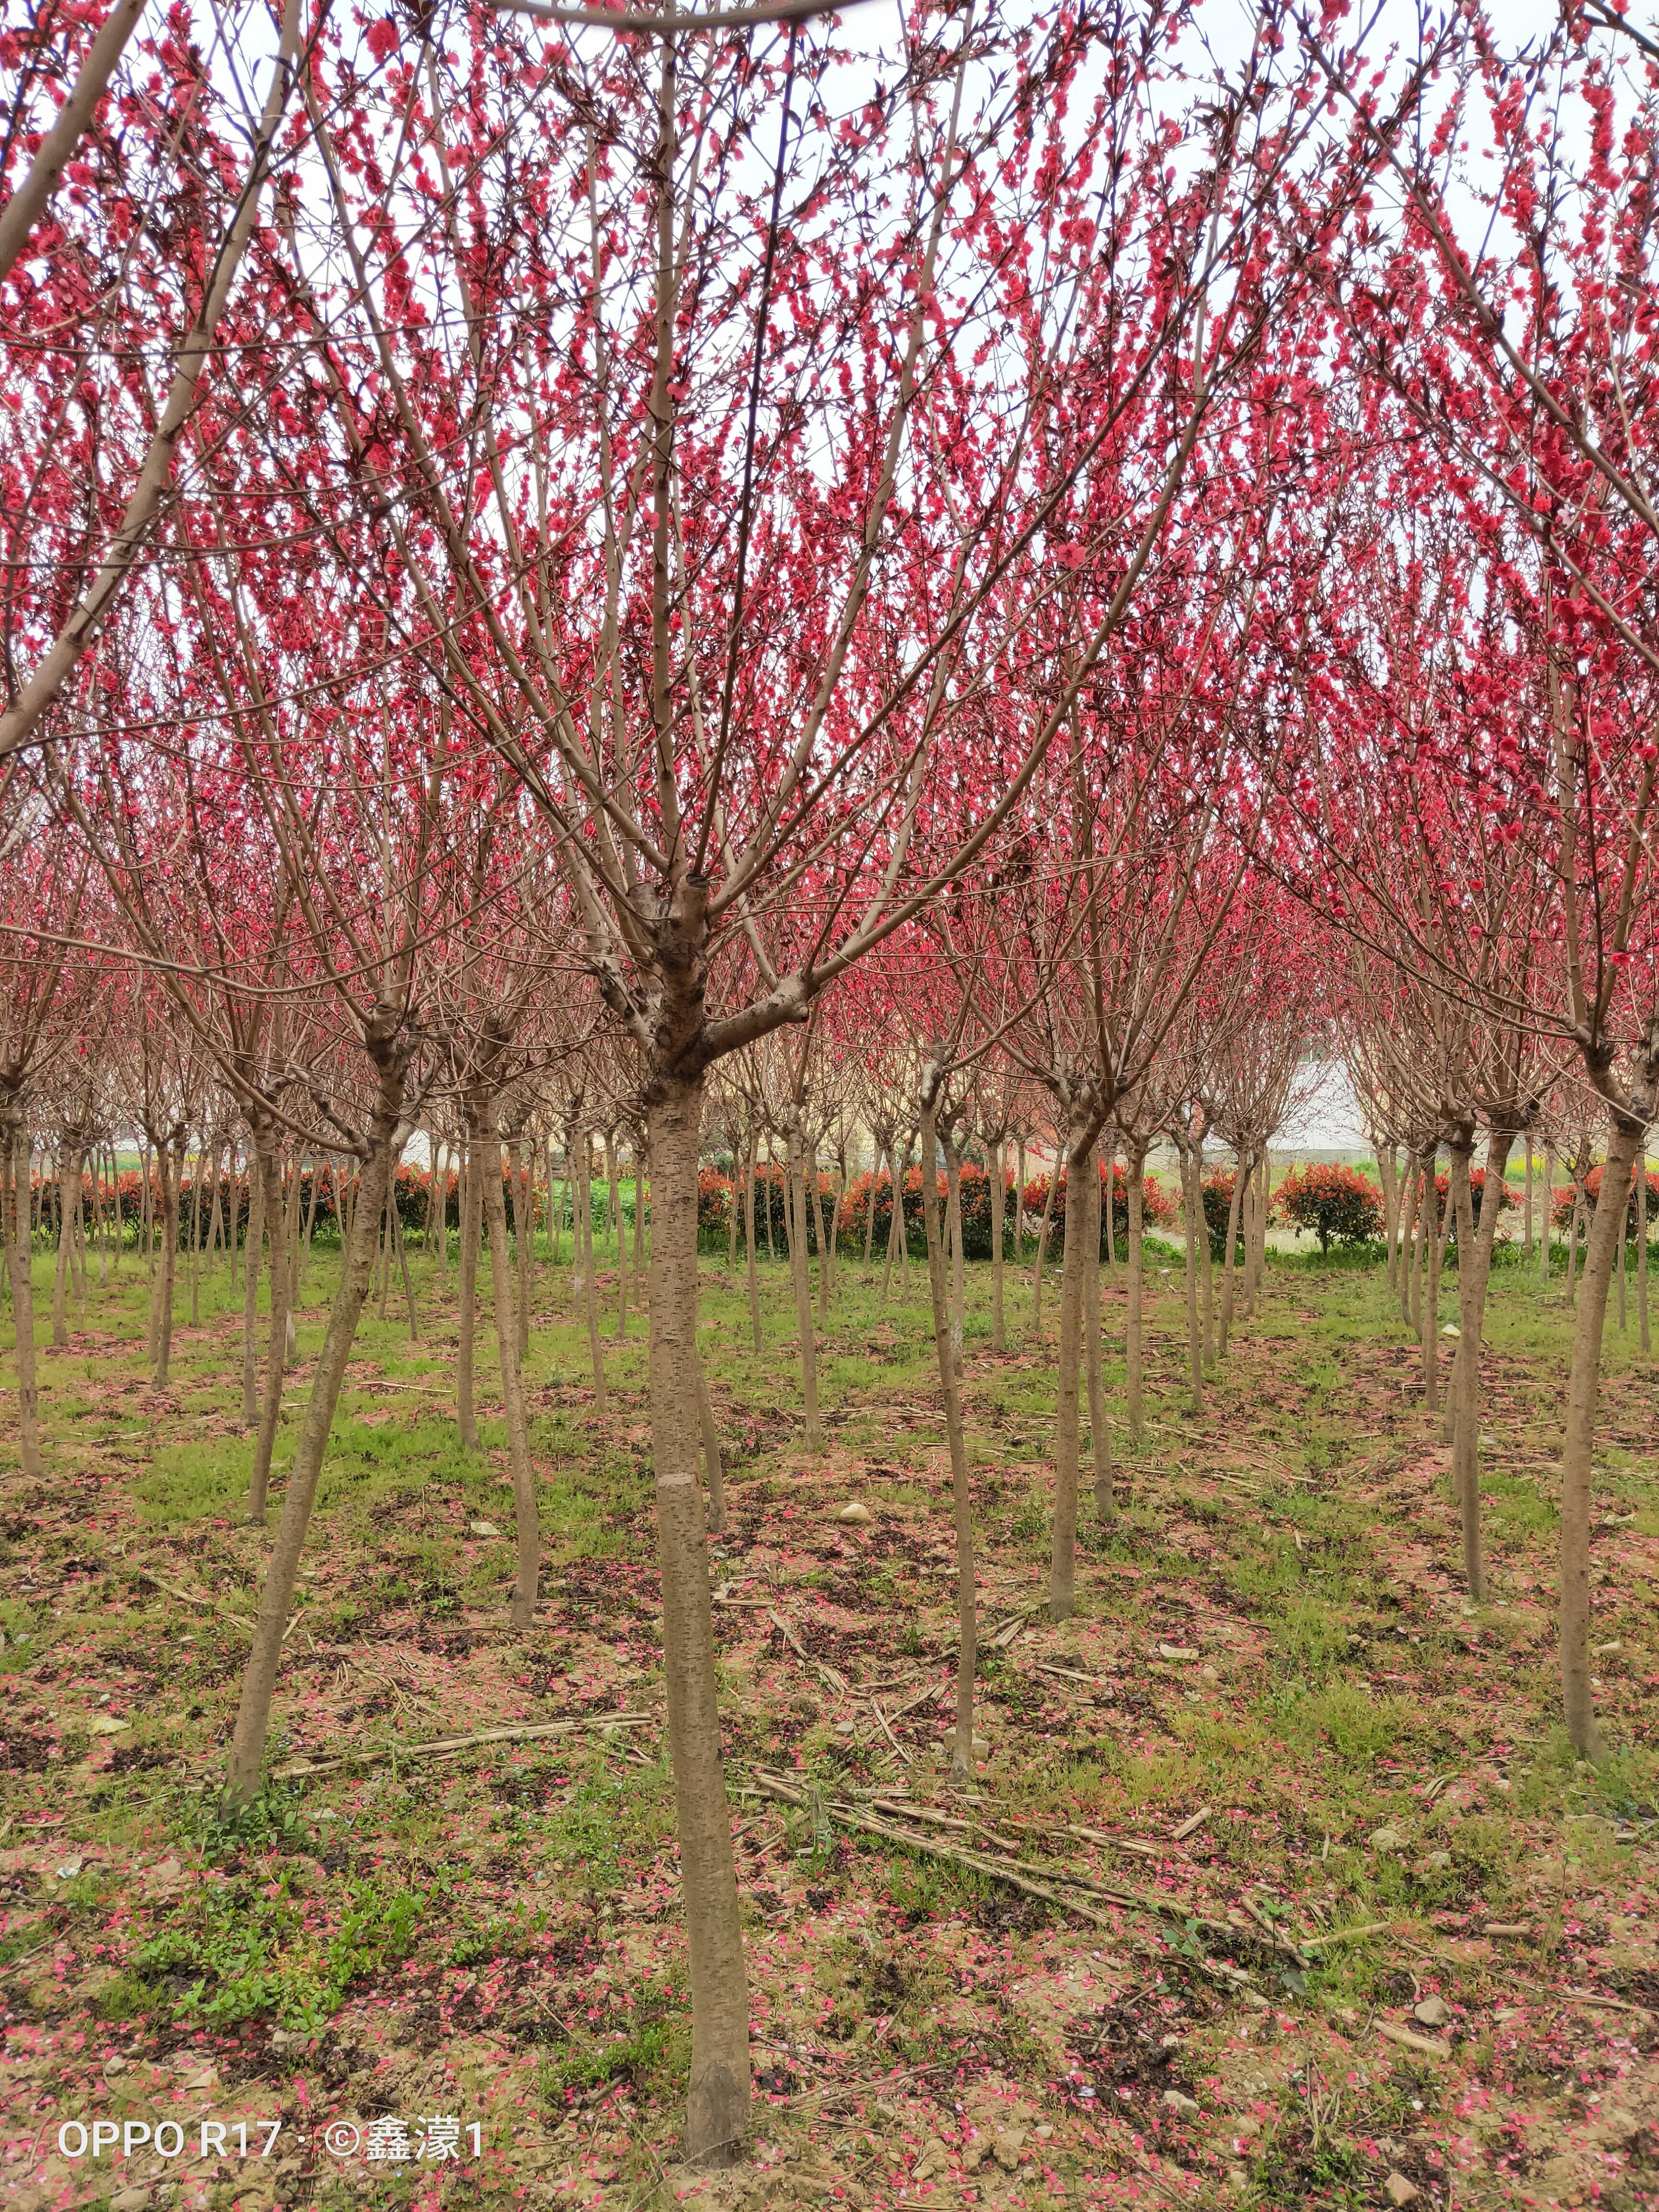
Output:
x=412 y=1187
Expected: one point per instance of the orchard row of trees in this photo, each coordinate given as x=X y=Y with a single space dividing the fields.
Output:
x=565 y=575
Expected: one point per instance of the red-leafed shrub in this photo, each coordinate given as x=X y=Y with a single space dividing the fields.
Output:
x=1157 y=1205
x=1507 y=1201
x=1561 y=1208
x=976 y=1199
x=771 y=1195
x=1332 y=1202
x=855 y=1204
x=715 y=1202
x=1218 y=1205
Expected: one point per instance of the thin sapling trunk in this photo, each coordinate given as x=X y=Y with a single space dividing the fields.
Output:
x=961 y=1741
x=268 y=1168
x=282 y=1574
x=999 y=1199
x=718 y=2097
x=808 y=1359
x=14 y=1163
x=1134 y=1378
x=1100 y=1434
x=466 y=1351
x=526 y=1589
x=752 y=1266
x=1583 y=1384
x=1062 y=1564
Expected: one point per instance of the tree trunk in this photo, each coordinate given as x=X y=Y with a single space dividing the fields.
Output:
x=1240 y=1175
x=752 y=1262
x=524 y=1241
x=1191 y=1166
x=14 y=1165
x=452 y=1166
x=525 y=1590
x=1390 y=1179
x=953 y=1218
x=1043 y=1244
x=67 y=1215
x=718 y=2101
x=1428 y=1203
x=1100 y=1434
x=826 y=1262
x=1111 y=1164
x=384 y=1263
x=771 y=1178
x=809 y=1354
x=169 y=1170
x=1642 y=1247
x=1078 y=1155
x=869 y=1208
x=290 y=1347
x=1132 y=1328
x=962 y=1743
x=1547 y=1230
x=614 y=1224
x=554 y=1209
x=1474 y=1268
x=260 y=1679
x=1434 y=1262
x=840 y=1184
x=894 y=1216
x=235 y=1235
x=435 y=1197
x=733 y=1210
x=195 y=1240
x=309 y=1193
x=1526 y=1214
x=400 y=1244
x=589 y=1286
x=579 y=1263
x=1583 y=1384
x=998 y=1201
x=713 y=1467
x=101 y=1218
x=903 y=1224
x=1262 y=1196
x=1407 y=1286
x=251 y=1295
x=473 y=1171
x=270 y=1174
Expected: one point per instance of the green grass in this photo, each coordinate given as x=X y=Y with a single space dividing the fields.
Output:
x=1299 y=1535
